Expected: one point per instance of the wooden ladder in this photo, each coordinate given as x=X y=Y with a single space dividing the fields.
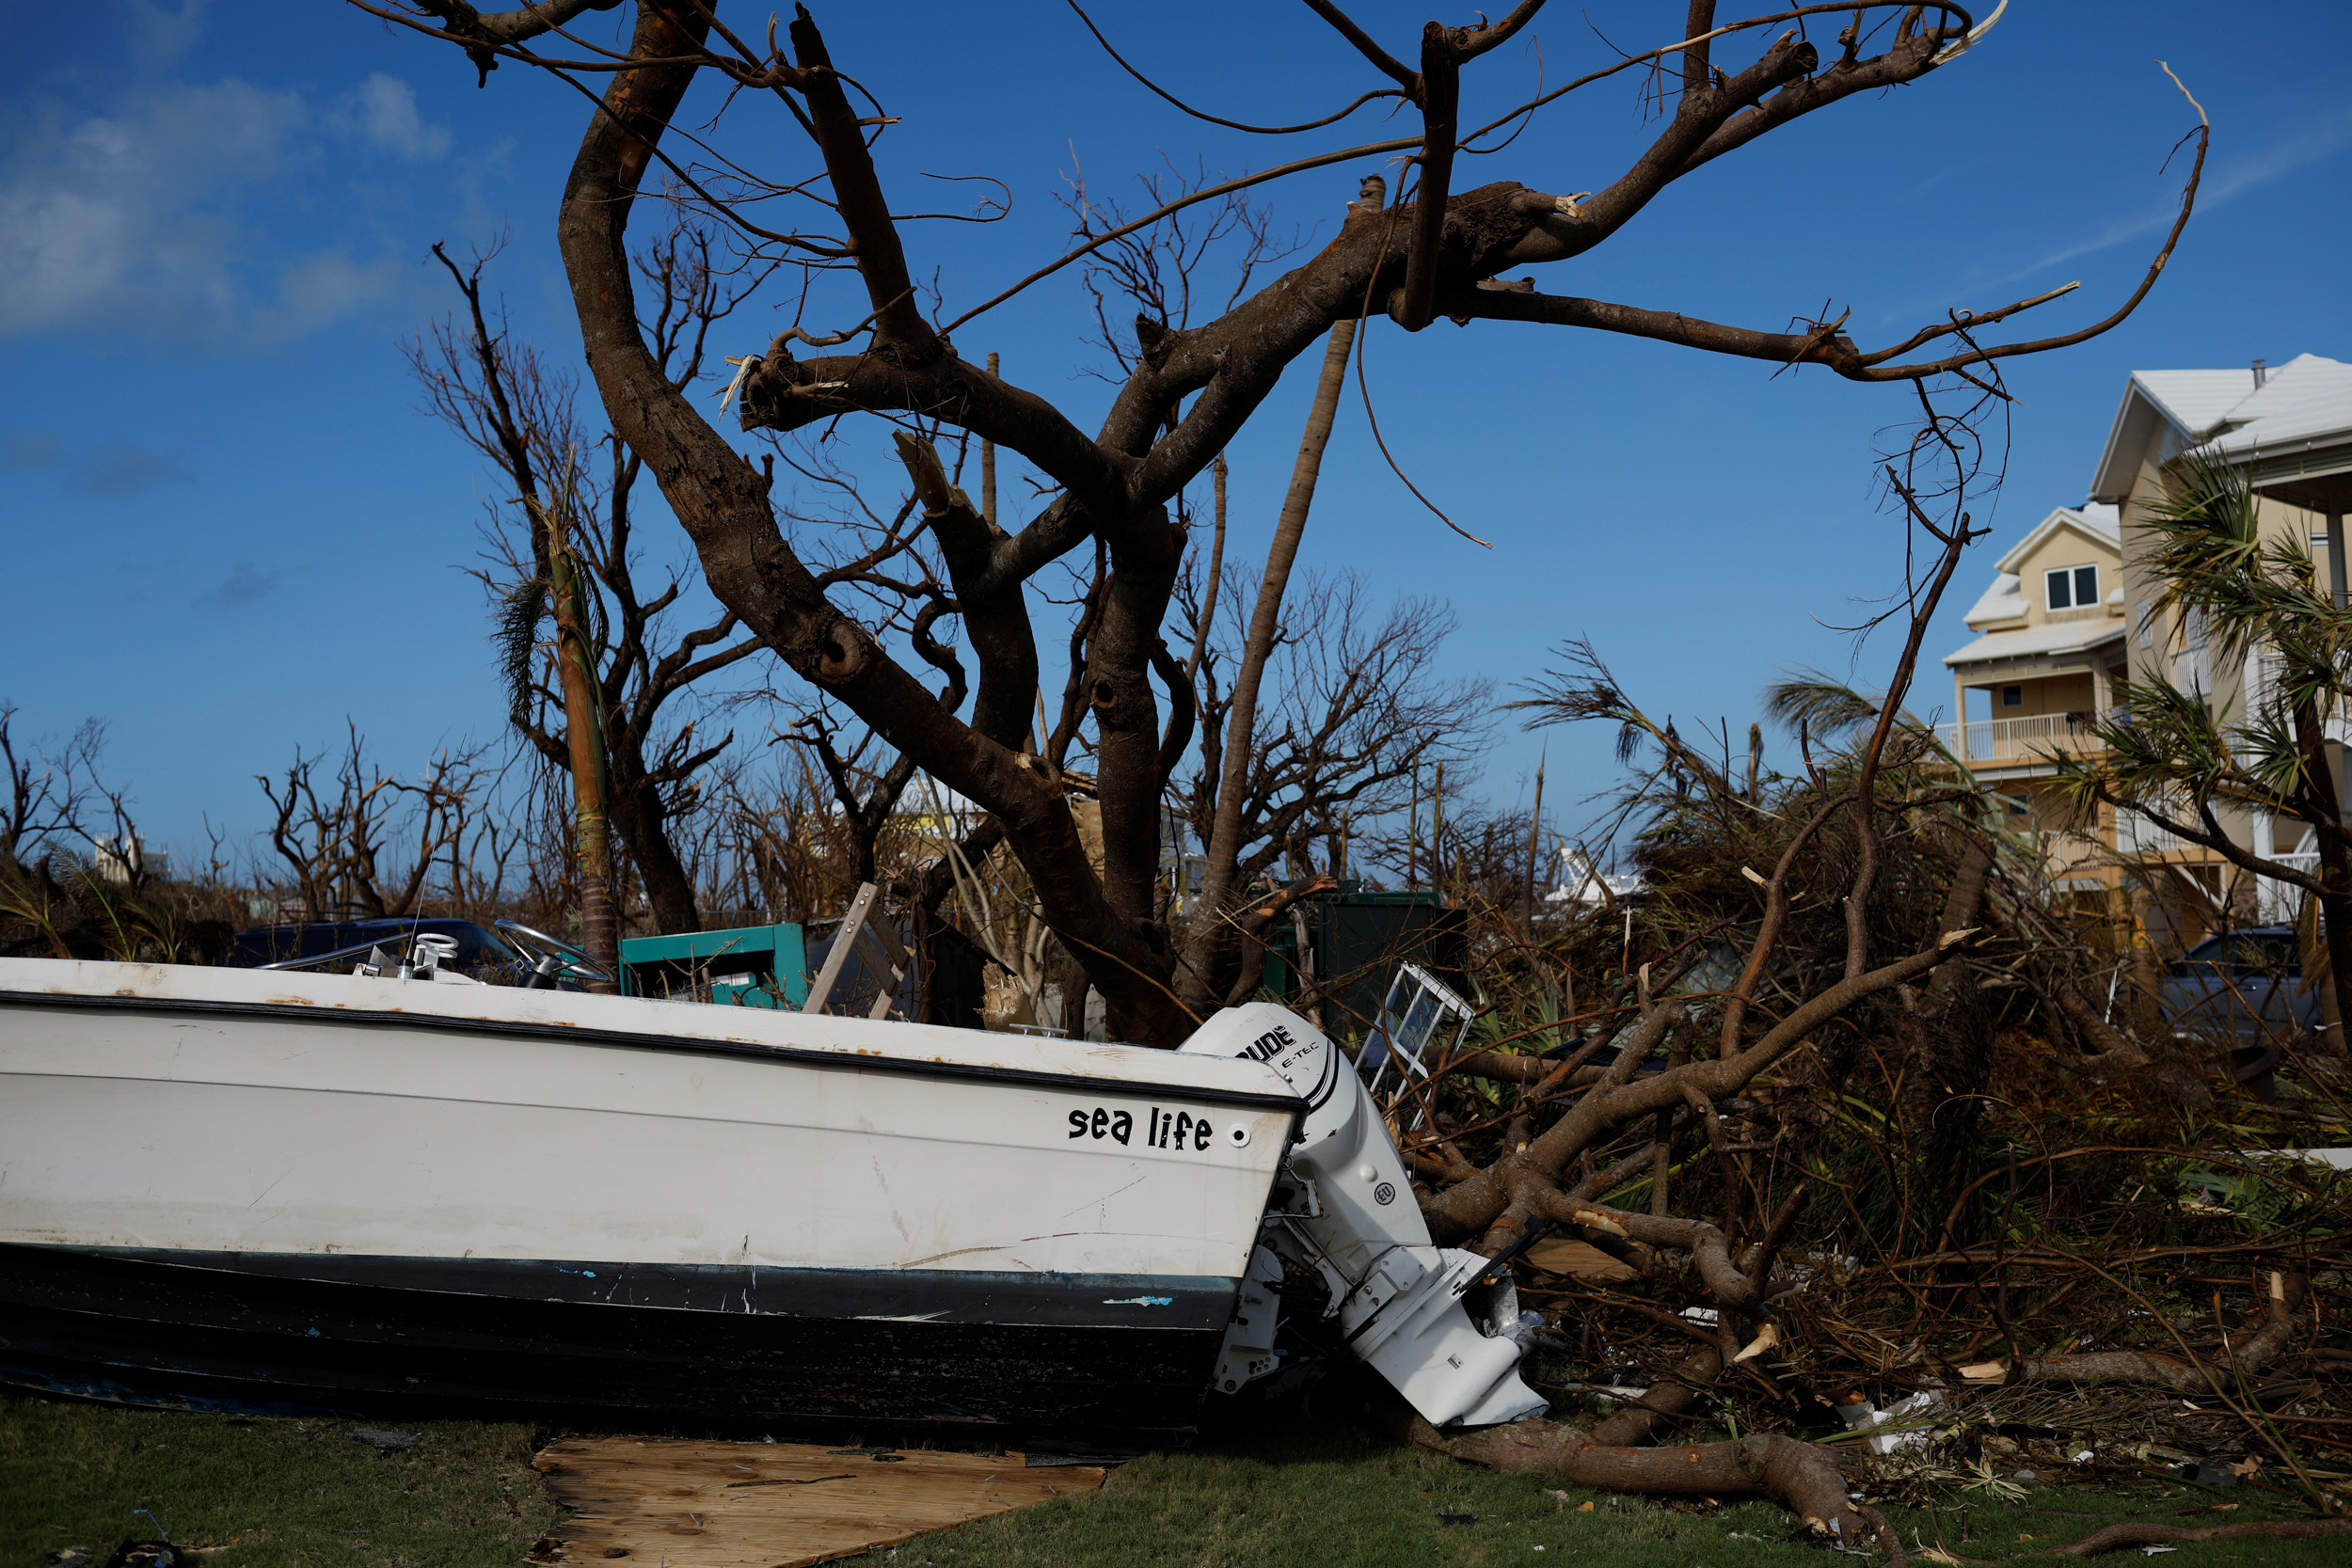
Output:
x=877 y=941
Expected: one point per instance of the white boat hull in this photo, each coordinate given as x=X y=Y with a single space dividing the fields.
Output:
x=313 y=1191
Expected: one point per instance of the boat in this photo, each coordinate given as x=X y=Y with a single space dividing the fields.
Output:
x=307 y=1192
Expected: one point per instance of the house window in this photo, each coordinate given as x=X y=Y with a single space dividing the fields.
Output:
x=2072 y=587
x=2012 y=696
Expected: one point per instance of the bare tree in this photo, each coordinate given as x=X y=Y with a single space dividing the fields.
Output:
x=78 y=880
x=1435 y=252
x=1356 y=711
x=49 y=788
x=866 y=791
x=567 y=536
x=359 y=841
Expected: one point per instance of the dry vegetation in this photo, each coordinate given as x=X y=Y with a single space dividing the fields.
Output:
x=1996 y=1179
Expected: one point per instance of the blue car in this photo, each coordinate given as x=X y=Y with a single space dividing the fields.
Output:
x=479 y=952
x=2243 y=986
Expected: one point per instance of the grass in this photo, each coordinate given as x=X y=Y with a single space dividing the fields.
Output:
x=288 y=1492
x=291 y=1491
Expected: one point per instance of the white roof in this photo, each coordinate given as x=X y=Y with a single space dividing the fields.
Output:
x=2195 y=400
x=2066 y=637
x=2305 y=400
x=2096 y=520
x=2004 y=601
x=1580 y=883
x=924 y=793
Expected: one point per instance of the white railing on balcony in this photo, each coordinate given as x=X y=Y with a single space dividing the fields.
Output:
x=2136 y=835
x=2068 y=852
x=2190 y=671
x=2018 y=740
x=2282 y=902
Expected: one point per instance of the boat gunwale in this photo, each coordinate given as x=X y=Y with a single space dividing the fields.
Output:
x=683 y=1044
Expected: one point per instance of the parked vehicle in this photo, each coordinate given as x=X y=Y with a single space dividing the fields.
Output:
x=474 y=948
x=435 y=947
x=2247 y=986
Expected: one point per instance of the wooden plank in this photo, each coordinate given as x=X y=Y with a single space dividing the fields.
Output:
x=680 y=1504
x=887 y=956
x=1577 y=1260
x=820 y=993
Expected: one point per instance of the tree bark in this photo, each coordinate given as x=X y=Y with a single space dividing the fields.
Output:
x=583 y=725
x=1801 y=1475
x=722 y=505
x=2218 y=1378
x=2143 y=1532
x=1210 y=940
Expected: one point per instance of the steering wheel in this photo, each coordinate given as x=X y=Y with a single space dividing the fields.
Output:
x=546 y=970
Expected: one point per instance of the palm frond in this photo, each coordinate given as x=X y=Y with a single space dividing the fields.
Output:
x=517 y=638
x=1817 y=705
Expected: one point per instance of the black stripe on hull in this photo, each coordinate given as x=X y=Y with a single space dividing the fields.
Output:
x=1105 y=1357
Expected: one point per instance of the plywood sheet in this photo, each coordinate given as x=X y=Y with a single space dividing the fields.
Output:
x=1577 y=1260
x=675 y=1504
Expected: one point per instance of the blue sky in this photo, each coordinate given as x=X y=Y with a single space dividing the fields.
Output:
x=229 y=528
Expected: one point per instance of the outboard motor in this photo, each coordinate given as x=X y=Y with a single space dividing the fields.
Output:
x=1344 y=1208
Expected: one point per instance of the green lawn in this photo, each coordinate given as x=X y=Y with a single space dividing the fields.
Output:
x=287 y=1490
x=300 y=1492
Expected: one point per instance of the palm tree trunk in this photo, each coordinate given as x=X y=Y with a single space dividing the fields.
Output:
x=583 y=725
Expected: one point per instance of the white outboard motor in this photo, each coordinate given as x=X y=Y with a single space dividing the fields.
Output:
x=1345 y=1209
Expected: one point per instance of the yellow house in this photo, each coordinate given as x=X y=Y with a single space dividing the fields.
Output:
x=2290 y=431
x=2072 y=615
x=2049 y=648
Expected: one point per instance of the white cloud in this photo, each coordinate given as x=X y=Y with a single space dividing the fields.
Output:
x=117 y=469
x=317 y=290
x=2318 y=139
x=171 y=216
x=2314 y=141
x=159 y=36
x=119 y=219
x=383 y=111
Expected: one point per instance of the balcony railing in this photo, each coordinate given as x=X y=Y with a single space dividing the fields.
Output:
x=2136 y=835
x=2281 y=902
x=2021 y=739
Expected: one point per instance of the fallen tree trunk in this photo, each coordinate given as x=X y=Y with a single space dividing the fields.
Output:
x=1801 y=1475
x=2148 y=1370
x=1669 y=1400
x=2138 y=1532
